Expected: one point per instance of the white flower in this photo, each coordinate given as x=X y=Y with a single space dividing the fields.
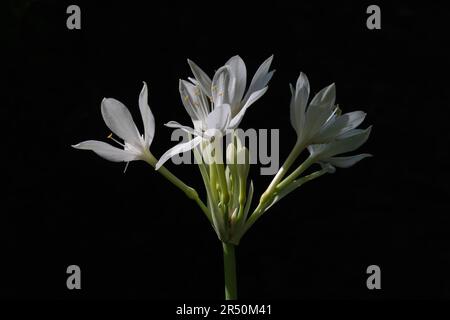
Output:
x=219 y=104
x=228 y=86
x=214 y=125
x=321 y=121
x=349 y=141
x=119 y=120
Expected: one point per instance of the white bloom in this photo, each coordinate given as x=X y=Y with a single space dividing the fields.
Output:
x=228 y=86
x=349 y=141
x=219 y=104
x=119 y=120
x=321 y=121
x=214 y=125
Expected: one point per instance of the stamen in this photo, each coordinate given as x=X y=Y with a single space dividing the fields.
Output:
x=111 y=137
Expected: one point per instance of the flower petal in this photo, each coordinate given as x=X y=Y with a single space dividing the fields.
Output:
x=147 y=116
x=320 y=109
x=179 y=148
x=119 y=120
x=349 y=141
x=239 y=71
x=342 y=124
x=220 y=85
x=176 y=125
x=202 y=78
x=260 y=79
x=186 y=92
x=326 y=96
x=106 y=151
x=219 y=118
x=234 y=123
x=345 y=162
x=299 y=102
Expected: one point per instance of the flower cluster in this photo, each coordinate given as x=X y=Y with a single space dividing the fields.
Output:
x=216 y=107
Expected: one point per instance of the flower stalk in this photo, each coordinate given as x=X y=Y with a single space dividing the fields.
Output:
x=190 y=192
x=293 y=155
x=229 y=266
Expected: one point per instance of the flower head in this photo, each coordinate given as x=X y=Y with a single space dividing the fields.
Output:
x=229 y=83
x=219 y=104
x=323 y=129
x=321 y=121
x=118 y=118
x=349 y=141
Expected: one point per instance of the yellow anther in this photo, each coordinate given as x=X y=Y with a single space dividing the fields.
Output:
x=186 y=98
x=110 y=136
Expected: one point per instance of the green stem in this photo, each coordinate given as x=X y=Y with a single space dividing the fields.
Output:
x=297 y=172
x=190 y=192
x=229 y=265
x=299 y=182
x=289 y=181
x=255 y=215
x=270 y=191
x=298 y=148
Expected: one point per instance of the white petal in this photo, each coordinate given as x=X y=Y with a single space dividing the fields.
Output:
x=345 y=162
x=239 y=71
x=326 y=96
x=253 y=97
x=302 y=90
x=299 y=102
x=352 y=120
x=293 y=110
x=317 y=148
x=348 y=142
x=119 y=120
x=219 y=118
x=320 y=109
x=179 y=148
x=106 y=151
x=187 y=97
x=342 y=124
x=221 y=84
x=147 y=117
x=174 y=124
x=202 y=78
x=260 y=79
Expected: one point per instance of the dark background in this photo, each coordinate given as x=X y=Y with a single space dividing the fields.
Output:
x=136 y=236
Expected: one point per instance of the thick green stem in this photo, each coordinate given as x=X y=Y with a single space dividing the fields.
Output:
x=229 y=265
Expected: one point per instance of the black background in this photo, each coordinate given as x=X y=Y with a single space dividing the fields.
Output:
x=136 y=236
